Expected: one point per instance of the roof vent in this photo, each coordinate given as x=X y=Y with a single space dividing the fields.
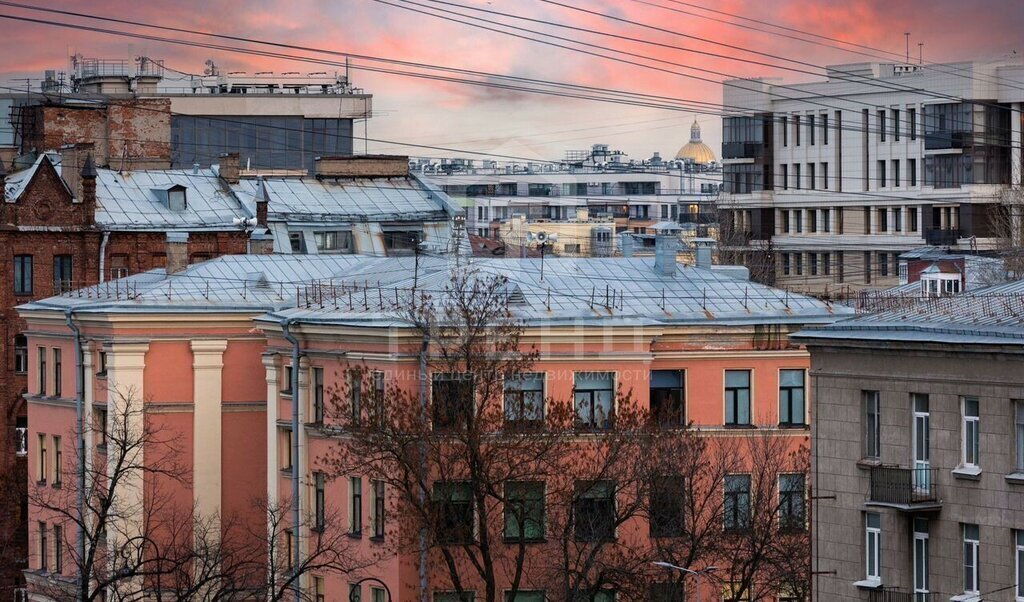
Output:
x=514 y=295
x=257 y=281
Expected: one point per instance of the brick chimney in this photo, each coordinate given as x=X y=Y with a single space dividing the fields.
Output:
x=362 y=166
x=230 y=167
x=72 y=161
x=87 y=179
x=262 y=203
x=261 y=242
x=177 y=252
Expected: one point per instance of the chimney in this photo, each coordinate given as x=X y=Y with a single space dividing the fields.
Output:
x=87 y=179
x=3 y=183
x=666 y=246
x=230 y=167
x=72 y=162
x=261 y=243
x=627 y=243
x=362 y=166
x=262 y=203
x=703 y=248
x=177 y=252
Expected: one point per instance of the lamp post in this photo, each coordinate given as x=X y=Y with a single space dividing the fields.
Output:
x=696 y=574
x=352 y=590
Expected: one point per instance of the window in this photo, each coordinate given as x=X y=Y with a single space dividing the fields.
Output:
x=812 y=220
x=912 y=168
x=896 y=124
x=897 y=219
x=796 y=182
x=100 y=426
x=401 y=242
x=811 y=178
x=62 y=274
x=667 y=592
x=101 y=364
x=319 y=501
x=454 y=502
x=667 y=387
x=452 y=399
x=58 y=549
x=881 y=174
x=571 y=248
x=872 y=425
x=379 y=510
x=668 y=507
x=22 y=274
x=824 y=128
x=912 y=123
x=466 y=597
x=873 y=545
x=355 y=505
x=285 y=447
x=785 y=178
x=786 y=269
x=525 y=597
x=334 y=241
x=798 y=219
x=524 y=399
x=41 y=461
x=593 y=397
x=737 y=397
x=895 y=172
x=883 y=264
x=785 y=131
x=970 y=432
x=57 y=385
x=792 y=514
x=972 y=543
x=812 y=261
x=824 y=177
x=826 y=218
x=785 y=220
x=796 y=130
x=378 y=399
x=1018 y=411
x=297 y=242
x=826 y=263
x=921 y=557
x=318 y=395
x=42 y=371
x=911 y=219
x=355 y=592
x=1018 y=535
x=118 y=266
x=594 y=516
x=319 y=593
x=810 y=130
x=20 y=354
x=737 y=502
x=799 y=263
x=57 y=461
x=524 y=510
x=791 y=397
x=287 y=384
x=289 y=547
x=44 y=552
x=881 y=125
x=377 y=595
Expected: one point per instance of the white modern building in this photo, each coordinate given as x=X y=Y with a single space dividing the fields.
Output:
x=829 y=182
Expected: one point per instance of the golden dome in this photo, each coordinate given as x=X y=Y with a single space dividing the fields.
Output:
x=695 y=150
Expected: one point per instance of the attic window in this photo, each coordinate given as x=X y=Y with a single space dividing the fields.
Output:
x=176 y=199
x=514 y=295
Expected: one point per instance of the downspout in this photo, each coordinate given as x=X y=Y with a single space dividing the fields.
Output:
x=424 y=416
x=79 y=440
x=296 y=506
x=103 y=255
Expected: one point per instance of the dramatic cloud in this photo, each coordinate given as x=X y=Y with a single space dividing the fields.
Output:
x=424 y=111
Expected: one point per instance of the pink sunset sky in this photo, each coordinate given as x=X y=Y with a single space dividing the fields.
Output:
x=508 y=122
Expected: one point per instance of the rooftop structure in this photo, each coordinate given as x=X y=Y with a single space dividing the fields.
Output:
x=695 y=151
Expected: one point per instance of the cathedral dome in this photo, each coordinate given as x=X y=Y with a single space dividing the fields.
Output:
x=695 y=150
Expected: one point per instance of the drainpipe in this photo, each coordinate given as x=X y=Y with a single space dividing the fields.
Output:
x=296 y=424
x=424 y=416
x=103 y=255
x=79 y=439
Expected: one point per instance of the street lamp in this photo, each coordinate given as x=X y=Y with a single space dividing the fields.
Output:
x=696 y=574
x=355 y=587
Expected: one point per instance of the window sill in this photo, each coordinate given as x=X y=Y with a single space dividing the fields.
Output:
x=868 y=584
x=41 y=483
x=286 y=471
x=739 y=426
x=525 y=541
x=867 y=463
x=966 y=598
x=56 y=485
x=794 y=426
x=969 y=473
x=355 y=534
x=377 y=539
x=1015 y=478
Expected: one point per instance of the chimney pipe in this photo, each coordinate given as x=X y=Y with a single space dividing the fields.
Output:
x=261 y=243
x=666 y=246
x=177 y=252
x=230 y=167
x=72 y=163
x=87 y=181
x=3 y=182
x=703 y=248
x=262 y=203
x=626 y=242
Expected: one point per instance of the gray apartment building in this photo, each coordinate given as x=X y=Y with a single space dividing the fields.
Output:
x=918 y=451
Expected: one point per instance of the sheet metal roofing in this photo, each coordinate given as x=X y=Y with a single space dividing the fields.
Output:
x=17 y=182
x=992 y=315
x=338 y=200
x=360 y=289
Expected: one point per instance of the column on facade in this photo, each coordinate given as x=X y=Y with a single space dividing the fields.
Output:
x=88 y=433
x=273 y=440
x=207 y=434
x=872 y=225
x=1017 y=169
x=301 y=460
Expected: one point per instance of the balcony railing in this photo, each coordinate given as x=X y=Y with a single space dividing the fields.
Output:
x=21 y=441
x=742 y=150
x=904 y=488
x=895 y=595
x=943 y=139
x=941 y=236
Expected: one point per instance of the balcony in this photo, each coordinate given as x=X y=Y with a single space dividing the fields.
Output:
x=708 y=217
x=895 y=595
x=906 y=489
x=941 y=236
x=943 y=139
x=742 y=150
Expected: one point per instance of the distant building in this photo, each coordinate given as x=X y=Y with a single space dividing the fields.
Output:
x=695 y=151
x=830 y=181
x=918 y=450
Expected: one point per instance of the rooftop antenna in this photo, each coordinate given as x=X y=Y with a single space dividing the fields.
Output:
x=920 y=53
x=906 y=36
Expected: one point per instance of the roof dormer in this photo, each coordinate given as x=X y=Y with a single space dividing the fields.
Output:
x=173 y=197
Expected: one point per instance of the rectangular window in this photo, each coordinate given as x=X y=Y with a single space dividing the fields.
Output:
x=972 y=545
x=355 y=505
x=971 y=437
x=896 y=172
x=379 y=393
x=22 y=274
x=62 y=274
x=318 y=395
x=379 y=509
x=785 y=221
x=334 y=241
x=100 y=427
x=287 y=384
x=896 y=125
x=1018 y=535
x=737 y=502
x=58 y=549
x=867 y=267
x=319 y=501
x=319 y=593
x=785 y=176
x=796 y=130
x=525 y=597
x=798 y=262
x=786 y=264
x=42 y=371
x=824 y=128
x=792 y=506
x=524 y=399
x=912 y=168
x=594 y=512
x=785 y=130
x=791 y=398
x=454 y=501
x=872 y=425
x=897 y=219
x=911 y=219
x=667 y=394
x=44 y=552
x=796 y=177
x=810 y=130
x=524 y=510
x=826 y=263
x=41 y=460
x=826 y=217
x=881 y=125
x=912 y=123
x=668 y=506
x=798 y=219
x=451 y=399
x=873 y=546
x=921 y=558
x=57 y=384
x=468 y=597
x=118 y=266
x=882 y=183
x=594 y=398
x=58 y=460
x=1018 y=414
x=666 y=592
x=20 y=354
x=883 y=264
x=378 y=595
x=355 y=592
x=289 y=547
x=285 y=448
x=824 y=177
x=811 y=178
x=812 y=262
x=737 y=397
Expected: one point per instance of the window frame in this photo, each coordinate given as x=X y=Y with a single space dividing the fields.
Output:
x=379 y=516
x=736 y=508
x=443 y=417
x=319 y=501
x=597 y=504
x=667 y=518
x=1018 y=535
x=731 y=398
x=455 y=527
x=871 y=402
x=63 y=265
x=24 y=274
x=970 y=433
x=592 y=399
x=1018 y=422
x=523 y=510
x=793 y=502
x=514 y=399
x=873 y=547
x=20 y=354
x=673 y=416
x=786 y=393
x=970 y=566
x=355 y=506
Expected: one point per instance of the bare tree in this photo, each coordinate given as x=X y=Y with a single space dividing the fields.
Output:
x=736 y=245
x=1008 y=229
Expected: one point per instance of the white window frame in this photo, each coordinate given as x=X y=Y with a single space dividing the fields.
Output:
x=970 y=425
x=1018 y=535
x=872 y=431
x=1018 y=412
x=974 y=546
x=872 y=542
x=921 y=536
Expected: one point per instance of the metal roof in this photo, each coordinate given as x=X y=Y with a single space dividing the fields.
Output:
x=17 y=182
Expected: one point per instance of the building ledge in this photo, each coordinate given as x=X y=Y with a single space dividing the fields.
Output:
x=867 y=463
x=1015 y=478
x=966 y=598
x=868 y=584
x=970 y=473
x=929 y=506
